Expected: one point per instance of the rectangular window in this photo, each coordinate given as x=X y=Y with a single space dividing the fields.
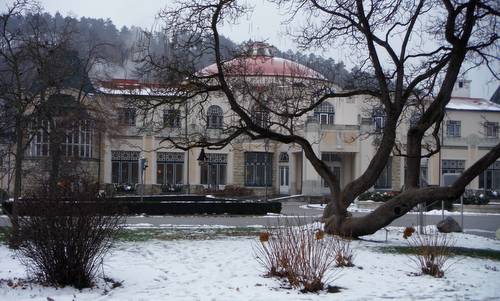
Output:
x=127 y=116
x=258 y=169
x=334 y=162
x=452 y=166
x=172 y=118
x=490 y=178
x=379 y=123
x=261 y=118
x=384 y=181
x=453 y=128
x=491 y=129
x=326 y=118
x=169 y=168
x=125 y=167
x=77 y=141
x=214 y=172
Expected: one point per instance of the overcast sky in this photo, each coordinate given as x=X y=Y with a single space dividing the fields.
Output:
x=264 y=24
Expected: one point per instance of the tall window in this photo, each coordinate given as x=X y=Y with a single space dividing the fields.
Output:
x=258 y=169
x=172 y=118
x=325 y=113
x=384 y=181
x=333 y=161
x=379 y=120
x=453 y=128
x=77 y=142
x=214 y=117
x=260 y=116
x=490 y=178
x=491 y=129
x=424 y=163
x=127 y=116
x=40 y=142
x=214 y=172
x=125 y=167
x=169 y=168
x=452 y=166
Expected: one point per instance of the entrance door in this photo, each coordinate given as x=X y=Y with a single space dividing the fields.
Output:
x=284 y=180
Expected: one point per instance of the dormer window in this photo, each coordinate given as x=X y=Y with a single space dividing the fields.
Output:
x=325 y=113
x=460 y=84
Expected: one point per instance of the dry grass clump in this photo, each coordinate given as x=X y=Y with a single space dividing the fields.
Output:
x=432 y=251
x=301 y=254
x=344 y=254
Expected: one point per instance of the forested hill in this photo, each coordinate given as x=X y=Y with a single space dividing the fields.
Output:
x=120 y=53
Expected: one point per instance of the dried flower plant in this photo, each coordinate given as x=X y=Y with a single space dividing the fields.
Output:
x=299 y=253
x=432 y=252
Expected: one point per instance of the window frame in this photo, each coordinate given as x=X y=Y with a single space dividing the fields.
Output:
x=453 y=128
x=215 y=117
x=128 y=160
x=173 y=160
x=172 y=118
x=127 y=116
x=491 y=129
x=258 y=169
x=327 y=111
x=384 y=181
x=216 y=163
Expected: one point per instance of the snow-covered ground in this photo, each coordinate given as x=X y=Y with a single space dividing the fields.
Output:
x=355 y=208
x=225 y=269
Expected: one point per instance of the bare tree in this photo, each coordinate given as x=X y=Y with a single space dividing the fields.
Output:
x=44 y=87
x=418 y=77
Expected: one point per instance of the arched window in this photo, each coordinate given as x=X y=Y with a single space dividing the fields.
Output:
x=284 y=158
x=325 y=113
x=260 y=117
x=379 y=119
x=214 y=117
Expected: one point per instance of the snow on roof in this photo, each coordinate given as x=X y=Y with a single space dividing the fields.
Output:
x=133 y=87
x=138 y=91
x=472 y=104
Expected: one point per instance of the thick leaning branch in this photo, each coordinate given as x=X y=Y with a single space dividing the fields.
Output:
x=405 y=201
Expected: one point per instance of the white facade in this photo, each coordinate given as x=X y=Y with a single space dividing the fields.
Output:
x=338 y=131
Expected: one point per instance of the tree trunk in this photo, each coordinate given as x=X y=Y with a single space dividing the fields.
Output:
x=18 y=173
x=55 y=157
x=388 y=212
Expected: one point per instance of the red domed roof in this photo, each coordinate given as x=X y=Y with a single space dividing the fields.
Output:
x=262 y=65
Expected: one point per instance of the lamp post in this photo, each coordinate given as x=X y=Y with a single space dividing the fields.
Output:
x=203 y=161
x=143 y=164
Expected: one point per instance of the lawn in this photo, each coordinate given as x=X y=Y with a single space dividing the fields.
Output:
x=219 y=264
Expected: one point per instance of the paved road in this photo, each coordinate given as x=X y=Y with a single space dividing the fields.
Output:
x=484 y=225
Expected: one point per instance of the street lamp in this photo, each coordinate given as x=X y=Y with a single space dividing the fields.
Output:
x=143 y=164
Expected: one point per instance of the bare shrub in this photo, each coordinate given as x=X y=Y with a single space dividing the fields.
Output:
x=299 y=253
x=63 y=239
x=344 y=254
x=432 y=251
